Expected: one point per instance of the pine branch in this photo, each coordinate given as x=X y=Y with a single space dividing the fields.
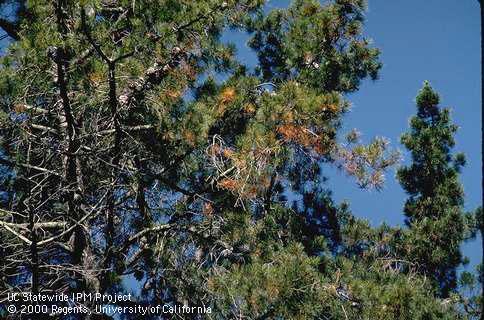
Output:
x=38 y=225
x=28 y=166
x=78 y=223
x=152 y=77
x=15 y=233
x=133 y=238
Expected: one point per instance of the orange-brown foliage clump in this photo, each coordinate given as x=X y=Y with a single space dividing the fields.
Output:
x=207 y=208
x=289 y=132
x=95 y=78
x=214 y=150
x=302 y=136
x=228 y=153
x=249 y=108
x=189 y=137
x=227 y=95
x=19 y=108
x=173 y=94
x=227 y=183
x=332 y=108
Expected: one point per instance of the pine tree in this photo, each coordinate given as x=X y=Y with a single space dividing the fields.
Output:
x=94 y=126
x=434 y=210
x=132 y=163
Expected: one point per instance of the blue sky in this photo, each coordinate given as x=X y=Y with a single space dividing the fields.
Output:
x=431 y=40
x=435 y=40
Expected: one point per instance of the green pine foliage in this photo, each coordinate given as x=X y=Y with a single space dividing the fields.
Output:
x=434 y=210
x=143 y=157
x=280 y=279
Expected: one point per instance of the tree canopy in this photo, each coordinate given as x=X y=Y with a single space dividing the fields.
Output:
x=140 y=156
